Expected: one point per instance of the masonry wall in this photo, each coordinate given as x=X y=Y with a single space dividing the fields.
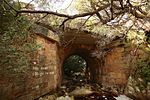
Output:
x=42 y=77
x=117 y=65
x=115 y=70
x=46 y=72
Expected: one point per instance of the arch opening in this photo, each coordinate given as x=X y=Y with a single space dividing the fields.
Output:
x=80 y=67
x=75 y=65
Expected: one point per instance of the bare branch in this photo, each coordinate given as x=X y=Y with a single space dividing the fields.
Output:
x=42 y=18
x=10 y=6
x=111 y=9
x=63 y=23
x=73 y=39
x=107 y=13
x=64 y=15
x=121 y=4
x=43 y=12
x=29 y=3
x=93 y=5
x=138 y=15
x=129 y=8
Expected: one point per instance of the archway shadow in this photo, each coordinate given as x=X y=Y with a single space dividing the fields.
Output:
x=80 y=67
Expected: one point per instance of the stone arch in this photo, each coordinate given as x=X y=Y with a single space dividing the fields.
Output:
x=93 y=67
x=83 y=44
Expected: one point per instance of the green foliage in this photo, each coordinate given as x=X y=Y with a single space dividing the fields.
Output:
x=5 y=17
x=82 y=5
x=17 y=43
x=74 y=64
x=145 y=72
x=136 y=37
x=143 y=67
x=16 y=46
x=141 y=73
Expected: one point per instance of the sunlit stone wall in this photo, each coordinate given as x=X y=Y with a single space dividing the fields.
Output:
x=42 y=78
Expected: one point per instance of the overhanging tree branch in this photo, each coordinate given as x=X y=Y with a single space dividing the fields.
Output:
x=63 y=15
x=10 y=5
x=130 y=9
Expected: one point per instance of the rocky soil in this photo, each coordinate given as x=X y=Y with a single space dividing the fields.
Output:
x=79 y=88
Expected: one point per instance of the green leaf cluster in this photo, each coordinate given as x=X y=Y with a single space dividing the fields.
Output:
x=17 y=43
x=74 y=64
x=142 y=72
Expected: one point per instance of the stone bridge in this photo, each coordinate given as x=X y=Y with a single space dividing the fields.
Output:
x=46 y=73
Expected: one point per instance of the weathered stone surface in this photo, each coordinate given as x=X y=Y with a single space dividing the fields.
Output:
x=41 y=79
x=46 y=72
x=115 y=68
